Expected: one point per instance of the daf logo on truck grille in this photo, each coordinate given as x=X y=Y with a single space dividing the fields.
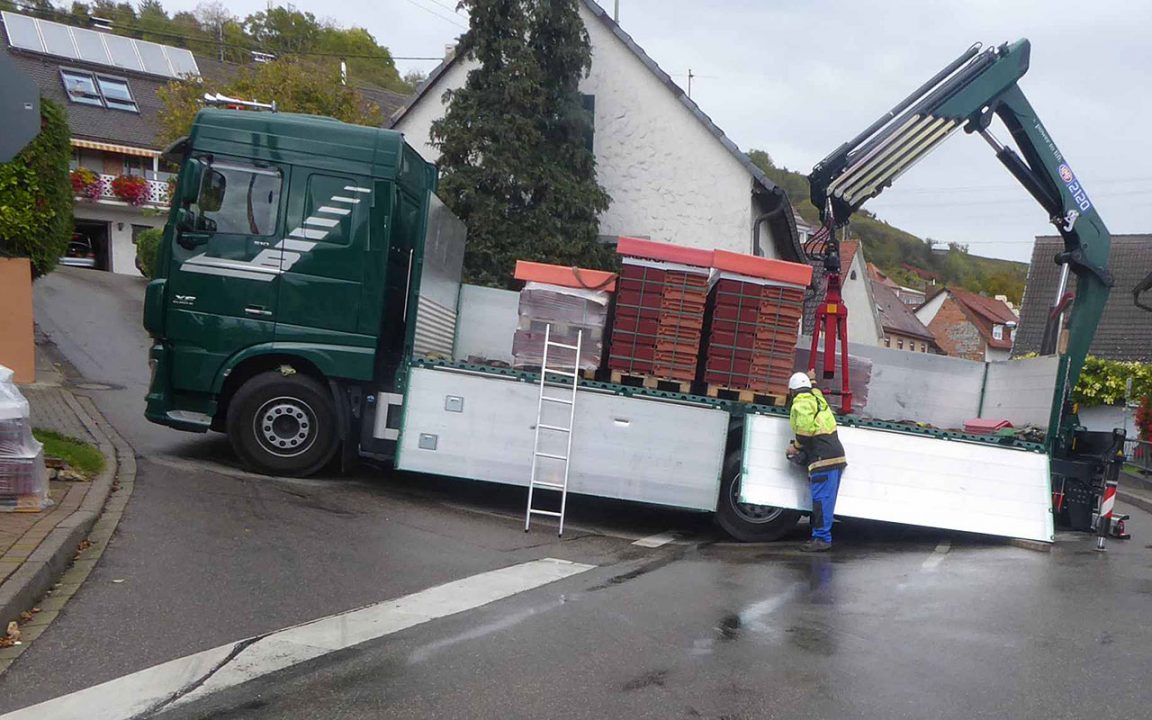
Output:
x=280 y=258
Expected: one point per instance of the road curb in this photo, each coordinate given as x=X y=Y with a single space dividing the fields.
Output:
x=49 y=562
x=1136 y=500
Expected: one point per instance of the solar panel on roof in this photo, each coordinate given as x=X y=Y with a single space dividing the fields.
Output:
x=57 y=39
x=91 y=46
x=183 y=63
x=155 y=61
x=123 y=52
x=22 y=32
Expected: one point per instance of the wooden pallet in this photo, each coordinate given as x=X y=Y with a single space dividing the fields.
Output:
x=651 y=382
x=721 y=392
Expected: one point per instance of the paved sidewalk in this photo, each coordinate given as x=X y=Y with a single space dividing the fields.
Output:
x=36 y=548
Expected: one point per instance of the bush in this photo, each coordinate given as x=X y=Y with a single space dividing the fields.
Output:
x=147 y=247
x=1103 y=382
x=36 y=195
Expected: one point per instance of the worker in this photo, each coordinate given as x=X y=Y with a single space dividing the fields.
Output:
x=818 y=448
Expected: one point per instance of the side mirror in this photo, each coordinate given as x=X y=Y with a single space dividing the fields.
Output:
x=185 y=220
x=212 y=192
x=191 y=175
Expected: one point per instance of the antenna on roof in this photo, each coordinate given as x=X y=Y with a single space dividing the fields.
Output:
x=224 y=101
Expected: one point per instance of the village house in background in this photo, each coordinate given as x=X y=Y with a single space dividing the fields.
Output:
x=902 y=329
x=109 y=84
x=672 y=174
x=968 y=325
x=910 y=296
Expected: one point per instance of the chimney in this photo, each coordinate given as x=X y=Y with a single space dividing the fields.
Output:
x=449 y=51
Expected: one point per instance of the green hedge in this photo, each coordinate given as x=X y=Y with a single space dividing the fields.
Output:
x=147 y=246
x=1102 y=382
x=36 y=195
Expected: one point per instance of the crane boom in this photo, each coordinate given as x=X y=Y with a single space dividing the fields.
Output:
x=968 y=93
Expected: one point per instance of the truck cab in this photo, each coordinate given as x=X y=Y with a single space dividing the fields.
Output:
x=284 y=281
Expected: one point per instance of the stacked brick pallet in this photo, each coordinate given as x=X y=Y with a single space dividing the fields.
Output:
x=754 y=310
x=659 y=316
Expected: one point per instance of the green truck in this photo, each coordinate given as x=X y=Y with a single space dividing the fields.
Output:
x=308 y=302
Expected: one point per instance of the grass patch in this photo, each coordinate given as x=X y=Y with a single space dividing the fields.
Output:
x=80 y=455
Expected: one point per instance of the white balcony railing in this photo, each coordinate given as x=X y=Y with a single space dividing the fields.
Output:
x=157 y=192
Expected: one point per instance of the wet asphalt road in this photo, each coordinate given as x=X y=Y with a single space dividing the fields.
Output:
x=898 y=622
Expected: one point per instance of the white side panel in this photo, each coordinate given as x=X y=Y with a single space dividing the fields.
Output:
x=1021 y=390
x=487 y=321
x=912 y=480
x=477 y=426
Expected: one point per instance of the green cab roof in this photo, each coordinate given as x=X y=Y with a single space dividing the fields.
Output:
x=310 y=140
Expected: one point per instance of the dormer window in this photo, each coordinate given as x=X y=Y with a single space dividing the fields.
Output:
x=997 y=332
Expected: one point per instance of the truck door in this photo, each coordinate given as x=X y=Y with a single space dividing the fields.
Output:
x=224 y=281
x=322 y=262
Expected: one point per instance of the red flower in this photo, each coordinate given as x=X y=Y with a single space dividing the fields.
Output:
x=132 y=189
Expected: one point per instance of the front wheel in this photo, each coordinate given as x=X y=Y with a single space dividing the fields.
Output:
x=746 y=522
x=283 y=424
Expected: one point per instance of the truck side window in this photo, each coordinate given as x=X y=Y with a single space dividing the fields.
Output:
x=332 y=207
x=237 y=198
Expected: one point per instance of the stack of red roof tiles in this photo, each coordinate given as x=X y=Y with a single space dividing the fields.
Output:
x=661 y=297
x=755 y=307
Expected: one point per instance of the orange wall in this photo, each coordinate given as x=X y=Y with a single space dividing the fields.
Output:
x=17 y=348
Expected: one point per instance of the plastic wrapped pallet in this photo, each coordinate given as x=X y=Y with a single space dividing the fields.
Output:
x=570 y=312
x=23 y=480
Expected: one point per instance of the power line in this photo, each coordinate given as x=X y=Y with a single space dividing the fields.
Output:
x=447 y=7
x=436 y=14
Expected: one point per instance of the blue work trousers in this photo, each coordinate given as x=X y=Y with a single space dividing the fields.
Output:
x=825 y=485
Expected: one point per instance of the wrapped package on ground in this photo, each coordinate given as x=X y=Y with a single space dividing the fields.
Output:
x=571 y=313
x=23 y=479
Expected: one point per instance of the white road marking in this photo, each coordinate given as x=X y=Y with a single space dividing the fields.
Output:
x=196 y=676
x=937 y=556
x=655 y=541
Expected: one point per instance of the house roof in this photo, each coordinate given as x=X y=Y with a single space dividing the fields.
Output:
x=1124 y=332
x=896 y=316
x=390 y=102
x=984 y=313
x=783 y=223
x=100 y=124
x=921 y=272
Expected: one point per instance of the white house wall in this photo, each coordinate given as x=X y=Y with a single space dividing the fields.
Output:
x=121 y=249
x=669 y=178
x=863 y=325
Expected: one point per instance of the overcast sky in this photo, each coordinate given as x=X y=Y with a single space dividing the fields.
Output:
x=797 y=78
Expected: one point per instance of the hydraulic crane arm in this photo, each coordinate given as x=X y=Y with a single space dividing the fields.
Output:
x=967 y=94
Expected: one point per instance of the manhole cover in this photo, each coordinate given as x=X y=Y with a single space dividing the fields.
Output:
x=93 y=386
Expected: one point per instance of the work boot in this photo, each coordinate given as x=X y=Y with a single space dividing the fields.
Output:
x=816 y=545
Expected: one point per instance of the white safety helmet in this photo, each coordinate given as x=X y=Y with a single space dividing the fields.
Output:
x=799 y=381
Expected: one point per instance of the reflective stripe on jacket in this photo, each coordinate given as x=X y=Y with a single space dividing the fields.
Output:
x=815 y=427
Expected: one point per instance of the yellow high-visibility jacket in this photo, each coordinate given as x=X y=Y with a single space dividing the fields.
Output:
x=815 y=426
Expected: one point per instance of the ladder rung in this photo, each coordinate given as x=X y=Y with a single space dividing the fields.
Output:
x=557 y=428
x=562 y=345
x=546 y=484
x=562 y=401
x=552 y=456
x=549 y=513
x=565 y=372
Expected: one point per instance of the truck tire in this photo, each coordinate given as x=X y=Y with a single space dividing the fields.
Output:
x=283 y=424
x=744 y=522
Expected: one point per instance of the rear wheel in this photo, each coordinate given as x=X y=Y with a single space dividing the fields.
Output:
x=746 y=522
x=283 y=424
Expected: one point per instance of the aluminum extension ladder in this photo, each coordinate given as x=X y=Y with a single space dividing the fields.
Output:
x=570 y=401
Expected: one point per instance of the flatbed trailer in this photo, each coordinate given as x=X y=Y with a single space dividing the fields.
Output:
x=308 y=302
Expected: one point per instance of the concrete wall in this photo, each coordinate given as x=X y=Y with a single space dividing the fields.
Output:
x=486 y=323
x=120 y=219
x=669 y=178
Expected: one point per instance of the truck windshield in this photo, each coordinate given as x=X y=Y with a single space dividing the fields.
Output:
x=236 y=198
